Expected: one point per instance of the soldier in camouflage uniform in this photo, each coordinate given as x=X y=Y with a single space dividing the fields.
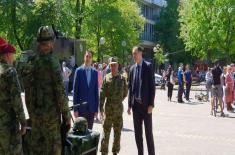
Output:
x=45 y=96
x=114 y=91
x=11 y=107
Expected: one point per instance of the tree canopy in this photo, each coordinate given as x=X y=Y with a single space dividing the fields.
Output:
x=208 y=28
x=116 y=21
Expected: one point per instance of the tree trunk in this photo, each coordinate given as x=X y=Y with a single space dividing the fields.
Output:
x=13 y=20
x=228 y=59
x=98 y=45
x=209 y=56
x=80 y=6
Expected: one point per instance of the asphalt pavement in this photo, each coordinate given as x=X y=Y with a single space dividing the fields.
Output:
x=181 y=129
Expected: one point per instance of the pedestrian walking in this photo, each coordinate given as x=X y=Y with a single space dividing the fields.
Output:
x=114 y=91
x=188 y=81
x=66 y=74
x=170 y=83
x=180 y=83
x=217 y=90
x=229 y=88
x=45 y=97
x=141 y=99
x=86 y=90
x=12 y=119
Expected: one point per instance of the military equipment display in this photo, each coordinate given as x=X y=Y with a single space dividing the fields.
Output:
x=80 y=126
x=80 y=140
x=83 y=144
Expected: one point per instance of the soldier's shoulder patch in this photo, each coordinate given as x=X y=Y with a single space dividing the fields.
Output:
x=108 y=76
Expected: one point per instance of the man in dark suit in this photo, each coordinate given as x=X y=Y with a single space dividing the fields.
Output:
x=141 y=99
x=86 y=91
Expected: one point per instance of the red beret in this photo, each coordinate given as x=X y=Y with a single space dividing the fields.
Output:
x=6 y=47
x=3 y=42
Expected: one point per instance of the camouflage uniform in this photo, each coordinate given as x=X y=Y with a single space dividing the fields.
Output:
x=46 y=101
x=114 y=90
x=11 y=111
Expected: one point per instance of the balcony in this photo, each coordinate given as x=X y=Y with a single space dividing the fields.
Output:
x=161 y=3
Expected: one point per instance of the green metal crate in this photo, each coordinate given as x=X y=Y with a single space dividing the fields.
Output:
x=83 y=144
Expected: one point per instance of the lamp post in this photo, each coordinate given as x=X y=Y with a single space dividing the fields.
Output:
x=123 y=55
x=102 y=42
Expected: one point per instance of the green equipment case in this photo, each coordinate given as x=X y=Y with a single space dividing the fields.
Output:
x=86 y=144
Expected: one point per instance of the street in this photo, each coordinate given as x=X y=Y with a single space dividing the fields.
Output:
x=181 y=129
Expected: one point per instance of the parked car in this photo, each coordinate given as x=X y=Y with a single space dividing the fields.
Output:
x=158 y=79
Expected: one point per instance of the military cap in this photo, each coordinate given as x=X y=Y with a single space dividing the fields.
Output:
x=113 y=60
x=5 y=47
x=45 y=33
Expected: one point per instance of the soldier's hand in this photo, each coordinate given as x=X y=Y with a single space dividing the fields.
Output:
x=68 y=123
x=96 y=115
x=23 y=131
x=129 y=111
x=150 y=109
x=102 y=114
x=76 y=114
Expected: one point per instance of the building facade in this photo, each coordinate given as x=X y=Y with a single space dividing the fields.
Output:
x=150 y=9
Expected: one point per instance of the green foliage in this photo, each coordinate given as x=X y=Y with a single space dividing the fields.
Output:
x=159 y=54
x=208 y=27
x=168 y=30
x=116 y=20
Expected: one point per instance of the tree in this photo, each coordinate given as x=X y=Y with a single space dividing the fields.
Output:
x=207 y=27
x=168 y=31
x=11 y=21
x=159 y=54
x=116 y=21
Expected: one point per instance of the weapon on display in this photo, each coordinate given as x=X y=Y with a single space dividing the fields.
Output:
x=64 y=128
x=77 y=105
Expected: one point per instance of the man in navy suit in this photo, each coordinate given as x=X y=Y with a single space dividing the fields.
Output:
x=141 y=99
x=86 y=91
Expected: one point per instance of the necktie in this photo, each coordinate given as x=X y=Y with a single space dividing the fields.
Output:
x=88 y=74
x=137 y=82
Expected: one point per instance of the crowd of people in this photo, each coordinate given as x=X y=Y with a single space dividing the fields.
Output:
x=94 y=90
x=97 y=88
x=184 y=79
x=220 y=85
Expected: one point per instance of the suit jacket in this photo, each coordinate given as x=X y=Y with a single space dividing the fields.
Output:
x=84 y=93
x=147 y=85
